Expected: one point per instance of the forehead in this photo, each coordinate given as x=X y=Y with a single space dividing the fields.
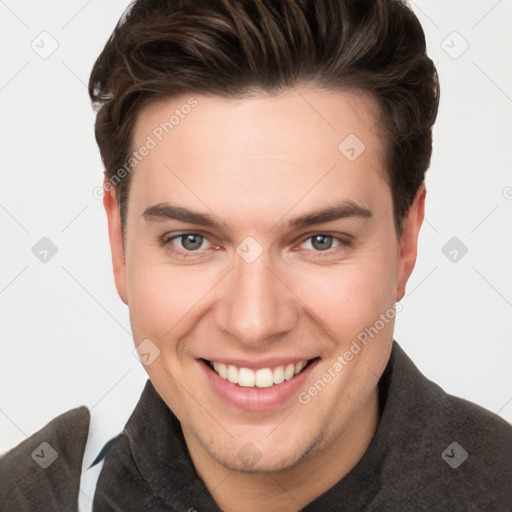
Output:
x=308 y=113
x=264 y=146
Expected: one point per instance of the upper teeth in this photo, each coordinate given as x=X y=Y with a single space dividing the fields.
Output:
x=262 y=378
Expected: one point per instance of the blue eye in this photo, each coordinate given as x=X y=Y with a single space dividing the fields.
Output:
x=322 y=242
x=189 y=244
x=191 y=241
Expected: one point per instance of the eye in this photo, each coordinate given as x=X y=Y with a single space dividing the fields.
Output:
x=323 y=243
x=192 y=244
x=183 y=242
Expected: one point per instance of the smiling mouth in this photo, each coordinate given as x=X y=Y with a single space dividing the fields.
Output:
x=261 y=378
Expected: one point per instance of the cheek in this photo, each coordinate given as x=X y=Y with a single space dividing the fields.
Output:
x=158 y=298
x=351 y=297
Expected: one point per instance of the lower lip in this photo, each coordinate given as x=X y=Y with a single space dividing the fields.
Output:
x=256 y=399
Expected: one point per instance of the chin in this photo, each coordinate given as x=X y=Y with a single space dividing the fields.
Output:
x=270 y=457
x=267 y=465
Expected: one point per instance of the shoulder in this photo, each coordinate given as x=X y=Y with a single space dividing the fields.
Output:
x=474 y=450
x=449 y=416
x=457 y=449
x=445 y=413
x=43 y=471
x=476 y=434
x=463 y=413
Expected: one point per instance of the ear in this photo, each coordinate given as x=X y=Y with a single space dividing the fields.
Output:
x=408 y=247
x=116 y=238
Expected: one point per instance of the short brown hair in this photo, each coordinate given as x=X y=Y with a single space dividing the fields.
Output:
x=162 y=48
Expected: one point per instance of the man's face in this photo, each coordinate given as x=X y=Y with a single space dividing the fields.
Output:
x=258 y=290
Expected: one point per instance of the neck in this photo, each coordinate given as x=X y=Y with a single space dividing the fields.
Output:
x=291 y=489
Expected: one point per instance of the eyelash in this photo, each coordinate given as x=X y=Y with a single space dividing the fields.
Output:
x=165 y=241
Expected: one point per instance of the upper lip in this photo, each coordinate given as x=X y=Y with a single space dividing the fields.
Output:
x=256 y=365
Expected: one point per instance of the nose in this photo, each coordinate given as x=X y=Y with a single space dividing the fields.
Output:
x=257 y=306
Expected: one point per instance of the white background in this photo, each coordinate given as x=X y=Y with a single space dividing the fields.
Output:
x=65 y=334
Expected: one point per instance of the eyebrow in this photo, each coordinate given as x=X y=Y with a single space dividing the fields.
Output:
x=168 y=211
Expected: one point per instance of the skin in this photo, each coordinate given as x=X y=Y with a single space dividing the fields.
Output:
x=256 y=163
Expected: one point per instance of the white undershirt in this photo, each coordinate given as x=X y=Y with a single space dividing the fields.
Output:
x=88 y=482
x=97 y=437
